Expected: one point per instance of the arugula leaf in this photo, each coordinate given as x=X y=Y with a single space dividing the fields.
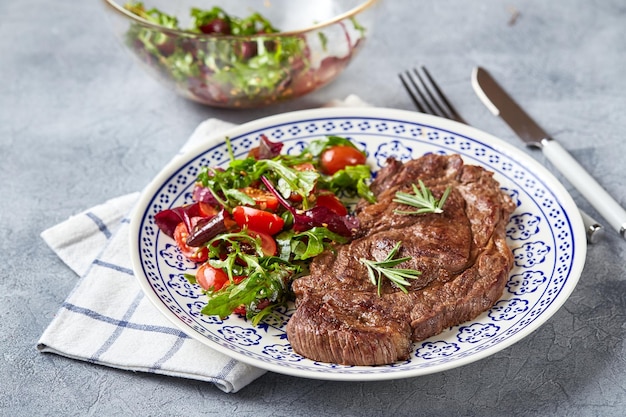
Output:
x=352 y=180
x=267 y=282
x=306 y=244
x=191 y=278
x=257 y=286
x=301 y=182
x=239 y=196
x=241 y=173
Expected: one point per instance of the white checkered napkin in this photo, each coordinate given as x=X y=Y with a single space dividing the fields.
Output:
x=107 y=320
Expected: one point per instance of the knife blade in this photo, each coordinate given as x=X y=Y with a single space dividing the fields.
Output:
x=501 y=104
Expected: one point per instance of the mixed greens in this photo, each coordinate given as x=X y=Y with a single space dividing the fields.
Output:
x=254 y=226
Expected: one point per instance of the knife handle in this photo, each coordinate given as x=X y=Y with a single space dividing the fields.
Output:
x=597 y=196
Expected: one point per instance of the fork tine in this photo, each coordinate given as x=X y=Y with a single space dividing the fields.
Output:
x=436 y=103
x=442 y=96
x=410 y=91
x=439 y=111
x=429 y=92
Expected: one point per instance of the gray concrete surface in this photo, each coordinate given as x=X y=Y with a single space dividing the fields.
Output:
x=80 y=123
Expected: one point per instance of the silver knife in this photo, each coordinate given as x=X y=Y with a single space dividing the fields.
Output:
x=501 y=104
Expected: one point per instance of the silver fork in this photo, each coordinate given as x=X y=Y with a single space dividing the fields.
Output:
x=429 y=98
x=427 y=95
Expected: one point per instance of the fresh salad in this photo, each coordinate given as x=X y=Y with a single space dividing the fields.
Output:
x=258 y=69
x=255 y=226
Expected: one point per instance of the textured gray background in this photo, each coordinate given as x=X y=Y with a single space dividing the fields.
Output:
x=80 y=123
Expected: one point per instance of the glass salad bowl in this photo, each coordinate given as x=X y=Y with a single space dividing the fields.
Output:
x=243 y=53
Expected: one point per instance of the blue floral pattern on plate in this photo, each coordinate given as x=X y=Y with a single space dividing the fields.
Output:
x=545 y=234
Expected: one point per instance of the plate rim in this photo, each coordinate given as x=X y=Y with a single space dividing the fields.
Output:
x=183 y=158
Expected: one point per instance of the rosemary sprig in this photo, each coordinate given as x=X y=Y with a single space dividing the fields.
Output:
x=422 y=199
x=376 y=270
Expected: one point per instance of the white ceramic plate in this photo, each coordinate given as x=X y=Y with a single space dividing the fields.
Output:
x=545 y=233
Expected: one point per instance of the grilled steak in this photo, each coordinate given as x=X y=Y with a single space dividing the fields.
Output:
x=462 y=254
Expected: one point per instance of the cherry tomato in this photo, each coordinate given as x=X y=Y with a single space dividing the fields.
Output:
x=338 y=157
x=209 y=277
x=268 y=244
x=265 y=200
x=195 y=254
x=258 y=220
x=332 y=202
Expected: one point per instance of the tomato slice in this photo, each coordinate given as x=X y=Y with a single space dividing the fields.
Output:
x=258 y=220
x=238 y=278
x=305 y=166
x=263 y=199
x=206 y=210
x=332 y=202
x=255 y=153
x=337 y=157
x=210 y=278
x=195 y=254
x=268 y=244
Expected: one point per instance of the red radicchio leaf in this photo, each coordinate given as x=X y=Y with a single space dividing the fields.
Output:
x=317 y=216
x=168 y=219
x=203 y=195
x=268 y=149
x=323 y=216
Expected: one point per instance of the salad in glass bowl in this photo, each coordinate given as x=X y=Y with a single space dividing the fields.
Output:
x=243 y=53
